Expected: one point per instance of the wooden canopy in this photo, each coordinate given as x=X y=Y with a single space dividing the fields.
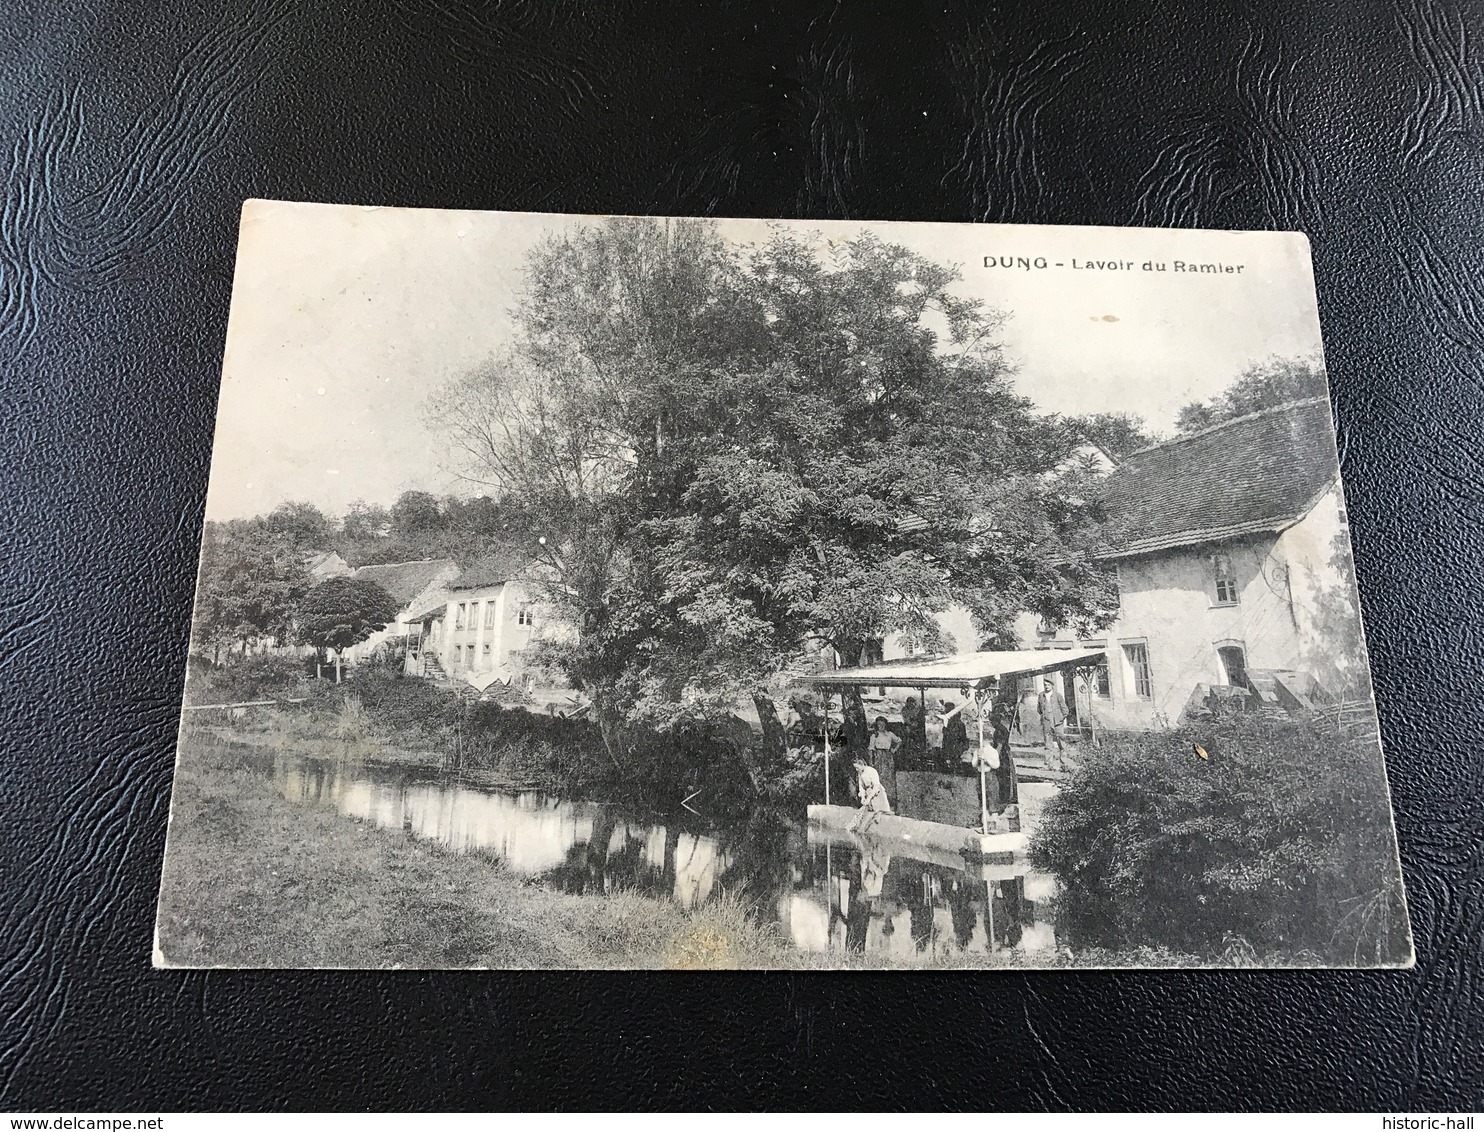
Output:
x=974 y=670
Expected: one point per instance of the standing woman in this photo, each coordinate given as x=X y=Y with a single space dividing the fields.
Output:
x=914 y=732
x=955 y=736
x=1006 y=780
x=883 y=747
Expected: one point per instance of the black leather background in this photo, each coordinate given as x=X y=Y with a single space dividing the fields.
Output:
x=133 y=131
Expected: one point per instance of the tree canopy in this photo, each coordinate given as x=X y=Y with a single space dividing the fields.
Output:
x=1117 y=434
x=1260 y=386
x=250 y=579
x=727 y=458
x=341 y=612
x=303 y=525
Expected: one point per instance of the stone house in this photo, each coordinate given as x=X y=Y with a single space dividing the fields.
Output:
x=1228 y=546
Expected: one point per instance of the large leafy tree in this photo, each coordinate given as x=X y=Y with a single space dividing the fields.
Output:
x=341 y=612
x=735 y=458
x=251 y=577
x=1117 y=434
x=303 y=525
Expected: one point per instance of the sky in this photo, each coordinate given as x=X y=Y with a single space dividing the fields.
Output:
x=346 y=318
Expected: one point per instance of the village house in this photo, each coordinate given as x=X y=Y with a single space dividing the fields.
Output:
x=475 y=627
x=1224 y=545
x=410 y=584
x=322 y=564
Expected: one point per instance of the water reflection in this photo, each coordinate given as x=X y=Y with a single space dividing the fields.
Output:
x=876 y=897
x=826 y=890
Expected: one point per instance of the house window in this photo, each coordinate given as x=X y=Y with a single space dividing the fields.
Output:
x=489 y=615
x=458 y=655
x=1234 y=664
x=525 y=617
x=458 y=618
x=1226 y=580
x=486 y=654
x=1102 y=684
x=1138 y=662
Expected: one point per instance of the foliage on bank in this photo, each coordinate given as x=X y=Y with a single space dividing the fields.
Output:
x=1278 y=842
x=477 y=736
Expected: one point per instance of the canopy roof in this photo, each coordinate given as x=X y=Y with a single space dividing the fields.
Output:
x=974 y=669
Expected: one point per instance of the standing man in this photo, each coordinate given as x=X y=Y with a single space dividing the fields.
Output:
x=1051 y=706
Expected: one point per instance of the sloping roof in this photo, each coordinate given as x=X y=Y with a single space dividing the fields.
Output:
x=1251 y=475
x=494 y=568
x=430 y=606
x=405 y=580
x=971 y=668
x=326 y=564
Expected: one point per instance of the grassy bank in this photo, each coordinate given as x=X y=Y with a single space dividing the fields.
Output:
x=252 y=880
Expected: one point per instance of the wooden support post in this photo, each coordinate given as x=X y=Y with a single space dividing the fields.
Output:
x=826 y=746
x=983 y=763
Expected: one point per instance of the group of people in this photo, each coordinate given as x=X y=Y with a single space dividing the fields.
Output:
x=875 y=768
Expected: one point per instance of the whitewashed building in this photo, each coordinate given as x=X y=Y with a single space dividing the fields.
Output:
x=411 y=584
x=1229 y=546
x=1225 y=544
x=477 y=624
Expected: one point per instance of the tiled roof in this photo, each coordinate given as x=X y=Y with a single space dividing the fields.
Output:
x=405 y=580
x=1247 y=476
x=493 y=569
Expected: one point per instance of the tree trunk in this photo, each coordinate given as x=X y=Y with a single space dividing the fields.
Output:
x=668 y=869
x=608 y=728
x=775 y=740
x=337 y=666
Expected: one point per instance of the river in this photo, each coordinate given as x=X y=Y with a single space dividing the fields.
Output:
x=825 y=892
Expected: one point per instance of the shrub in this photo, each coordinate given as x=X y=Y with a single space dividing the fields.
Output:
x=1280 y=841
x=415 y=711
x=350 y=721
x=252 y=678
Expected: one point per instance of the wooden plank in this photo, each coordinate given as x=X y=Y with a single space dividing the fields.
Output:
x=244 y=703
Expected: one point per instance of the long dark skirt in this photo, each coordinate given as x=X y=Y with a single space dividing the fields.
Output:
x=1006 y=778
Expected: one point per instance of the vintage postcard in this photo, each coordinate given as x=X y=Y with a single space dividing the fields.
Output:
x=650 y=592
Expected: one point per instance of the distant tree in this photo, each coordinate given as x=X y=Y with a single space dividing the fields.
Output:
x=364 y=521
x=417 y=518
x=477 y=526
x=250 y=579
x=1117 y=434
x=341 y=612
x=303 y=524
x=365 y=537
x=1261 y=386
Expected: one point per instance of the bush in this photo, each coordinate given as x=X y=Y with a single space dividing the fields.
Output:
x=415 y=711
x=252 y=678
x=529 y=746
x=1280 y=841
